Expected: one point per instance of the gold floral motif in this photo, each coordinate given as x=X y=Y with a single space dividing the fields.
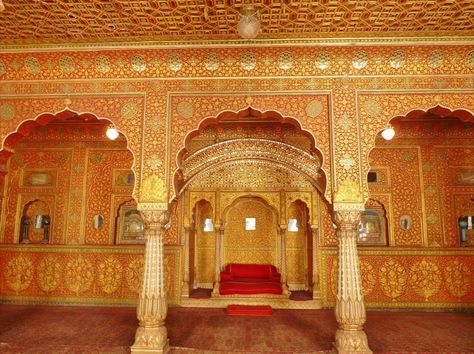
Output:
x=360 y=59
x=134 y=274
x=153 y=190
x=368 y=277
x=138 y=63
x=248 y=61
x=348 y=191
x=314 y=108
x=211 y=61
x=345 y=123
x=102 y=64
x=397 y=59
x=32 y=65
x=458 y=278
x=347 y=161
x=425 y=278
x=185 y=109
x=49 y=273
x=109 y=274
x=393 y=278
x=19 y=273
x=174 y=62
x=323 y=60
x=3 y=69
x=469 y=61
x=285 y=61
x=129 y=111
x=79 y=274
x=66 y=64
x=436 y=59
x=372 y=107
x=7 y=112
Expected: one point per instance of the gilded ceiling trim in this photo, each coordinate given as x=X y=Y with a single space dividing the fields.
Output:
x=236 y=43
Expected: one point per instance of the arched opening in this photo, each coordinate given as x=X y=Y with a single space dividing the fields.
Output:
x=65 y=163
x=249 y=172
x=423 y=177
x=203 y=245
x=299 y=247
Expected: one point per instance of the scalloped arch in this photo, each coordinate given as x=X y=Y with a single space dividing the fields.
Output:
x=24 y=128
x=248 y=114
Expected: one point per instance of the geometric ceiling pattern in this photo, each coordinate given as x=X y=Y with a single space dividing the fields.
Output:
x=30 y=22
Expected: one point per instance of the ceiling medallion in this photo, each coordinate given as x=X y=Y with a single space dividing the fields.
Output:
x=249 y=23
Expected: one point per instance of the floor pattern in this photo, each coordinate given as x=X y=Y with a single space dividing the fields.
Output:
x=74 y=330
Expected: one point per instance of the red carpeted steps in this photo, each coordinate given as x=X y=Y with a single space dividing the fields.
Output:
x=246 y=310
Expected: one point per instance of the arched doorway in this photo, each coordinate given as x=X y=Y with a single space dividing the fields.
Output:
x=66 y=179
x=251 y=168
x=422 y=178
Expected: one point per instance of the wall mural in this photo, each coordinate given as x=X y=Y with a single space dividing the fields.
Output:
x=343 y=96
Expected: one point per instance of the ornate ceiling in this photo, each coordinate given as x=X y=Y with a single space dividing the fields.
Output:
x=34 y=22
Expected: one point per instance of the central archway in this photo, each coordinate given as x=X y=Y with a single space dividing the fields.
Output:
x=265 y=162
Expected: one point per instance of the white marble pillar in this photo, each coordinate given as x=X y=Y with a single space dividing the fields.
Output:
x=350 y=308
x=151 y=335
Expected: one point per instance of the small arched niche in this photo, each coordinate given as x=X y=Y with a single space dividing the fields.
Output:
x=373 y=226
x=35 y=222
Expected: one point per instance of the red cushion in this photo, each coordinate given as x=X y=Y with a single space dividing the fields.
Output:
x=261 y=271
x=245 y=288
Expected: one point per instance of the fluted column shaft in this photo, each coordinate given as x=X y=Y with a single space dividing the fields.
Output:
x=350 y=308
x=151 y=335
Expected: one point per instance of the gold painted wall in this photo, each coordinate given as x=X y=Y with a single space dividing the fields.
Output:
x=343 y=95
x=205 y=244
x=85 y=167
x=297 y=265
x=79 y=274
x=407 y=277
x=243 y=246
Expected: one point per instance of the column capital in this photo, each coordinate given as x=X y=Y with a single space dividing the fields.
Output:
x=155 y=217
x=347 y=218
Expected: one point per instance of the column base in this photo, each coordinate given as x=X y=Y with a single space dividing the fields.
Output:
x=150 y=340
x=351 y=342
x=185 y=289
x=285 y=290
x=215 y=289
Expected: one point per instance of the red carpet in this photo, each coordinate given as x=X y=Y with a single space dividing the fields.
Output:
x=74 y=330
x=244 y=310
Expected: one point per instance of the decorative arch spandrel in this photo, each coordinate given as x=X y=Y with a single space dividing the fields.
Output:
x=311 y=111
x=376 y=110
x=125 y=112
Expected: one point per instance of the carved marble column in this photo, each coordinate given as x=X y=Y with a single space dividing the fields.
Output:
x=284 y=280
x=185 y=286
x=218 y=256
x=350 y=308
x=316 y=287
x=151 y=335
